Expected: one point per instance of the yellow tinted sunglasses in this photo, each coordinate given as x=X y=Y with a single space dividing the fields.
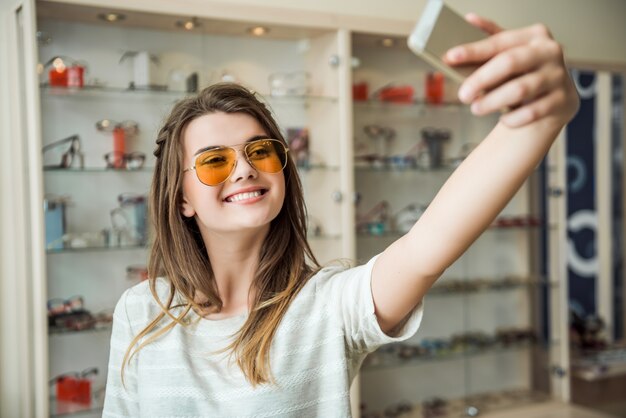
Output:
x=214 y=166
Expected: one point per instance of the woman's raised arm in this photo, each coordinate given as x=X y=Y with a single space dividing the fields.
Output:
x=523 y=70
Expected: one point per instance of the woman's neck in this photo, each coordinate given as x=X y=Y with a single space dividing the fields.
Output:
x=234 y=261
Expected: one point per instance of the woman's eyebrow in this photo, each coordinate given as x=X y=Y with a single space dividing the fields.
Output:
x=210 y=147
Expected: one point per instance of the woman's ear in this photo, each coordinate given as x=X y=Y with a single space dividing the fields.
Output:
x=186 y=209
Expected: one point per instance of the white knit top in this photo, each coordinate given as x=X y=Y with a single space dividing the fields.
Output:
x=315 y=354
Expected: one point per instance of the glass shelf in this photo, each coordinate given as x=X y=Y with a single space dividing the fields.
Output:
x=488 y=403
x=600 y=364
x=416 y=104
x=594 y=372
x=389 y=361
x=111 y=91
x=98 y=170
x=469 y=287
x=95 y=249
x=398 y=234
x=317 y=167
x=324 y=237
x=108 y=91
x=99 y=329
x=146 y=247
x=66 y=408
x=288 y=99
x=391 y=168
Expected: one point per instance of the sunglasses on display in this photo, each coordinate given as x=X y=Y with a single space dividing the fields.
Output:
x=130 y=161
x=74 y=387
x=376 y=220
x=130 y=127
x=215 y=165
x=68 y=157
x=59 y=306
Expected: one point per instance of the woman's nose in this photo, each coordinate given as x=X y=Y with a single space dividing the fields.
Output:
x=243 y=169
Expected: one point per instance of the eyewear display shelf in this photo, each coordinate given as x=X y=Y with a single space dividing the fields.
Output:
x=126 y=63
x=486 y=342
x=91 y=229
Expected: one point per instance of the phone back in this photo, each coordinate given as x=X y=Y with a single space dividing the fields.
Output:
x=439 y=29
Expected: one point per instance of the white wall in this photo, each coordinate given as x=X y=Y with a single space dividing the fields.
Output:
x=7 y=348
x=590 y=30
x=15 y=376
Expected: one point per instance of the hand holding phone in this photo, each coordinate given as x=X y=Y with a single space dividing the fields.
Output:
x=521 y=72
x=439 y=29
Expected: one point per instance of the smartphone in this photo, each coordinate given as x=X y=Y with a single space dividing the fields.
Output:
x=439 y=29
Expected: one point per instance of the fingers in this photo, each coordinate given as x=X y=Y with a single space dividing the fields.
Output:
x=481 y=51
x=521 y=69
x=518 y=91
x=480 y=22
x=507 y=65
x=531 y=79
x=538 y=109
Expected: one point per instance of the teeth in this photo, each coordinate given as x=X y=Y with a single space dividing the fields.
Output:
x=244 y=196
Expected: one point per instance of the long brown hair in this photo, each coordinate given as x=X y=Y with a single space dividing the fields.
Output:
x=178 y=252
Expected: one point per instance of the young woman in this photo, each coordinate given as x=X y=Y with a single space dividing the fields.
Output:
x=237 y=318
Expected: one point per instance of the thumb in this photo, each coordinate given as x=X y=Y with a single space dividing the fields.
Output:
x=480 y=22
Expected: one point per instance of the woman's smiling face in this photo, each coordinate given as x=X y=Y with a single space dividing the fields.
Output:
x=248 y=199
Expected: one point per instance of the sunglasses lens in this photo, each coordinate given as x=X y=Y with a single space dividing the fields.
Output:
x=66 y=159
x=135 y=161
x=269 y=156
x=214 y=166
x=56 y=306
x=75 y=303
x=114 y=159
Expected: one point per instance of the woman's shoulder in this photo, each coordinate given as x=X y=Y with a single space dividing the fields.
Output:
x=334 y=274
x=328 y=271
x=332 y=286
